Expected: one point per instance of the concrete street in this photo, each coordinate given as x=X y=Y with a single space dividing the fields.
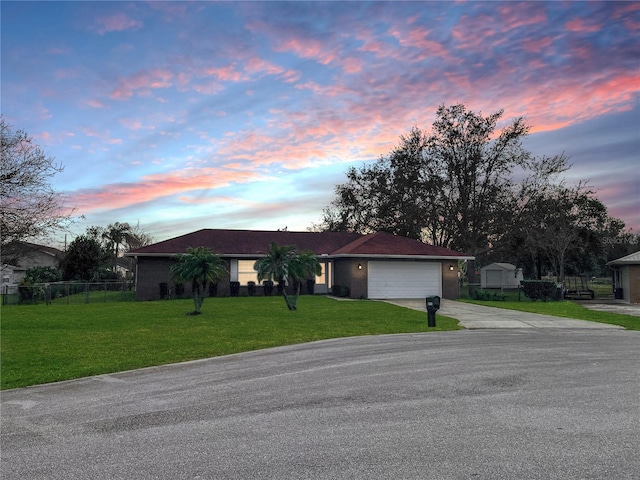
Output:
x=515 y=403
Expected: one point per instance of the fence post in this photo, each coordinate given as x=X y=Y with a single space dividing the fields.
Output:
x=86 y=292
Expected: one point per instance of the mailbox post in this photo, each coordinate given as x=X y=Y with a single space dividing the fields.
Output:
x=433 y=305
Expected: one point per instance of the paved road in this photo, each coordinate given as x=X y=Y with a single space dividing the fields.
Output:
x=474 y=316
x=472 y=404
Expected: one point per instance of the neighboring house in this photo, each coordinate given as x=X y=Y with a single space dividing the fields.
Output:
x=376 y=266
x=10 y=277
x=500 y=275
x=18 y=257
x=626 y=277
x=125 y=267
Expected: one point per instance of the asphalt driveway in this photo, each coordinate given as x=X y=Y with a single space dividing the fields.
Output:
x=528 y=403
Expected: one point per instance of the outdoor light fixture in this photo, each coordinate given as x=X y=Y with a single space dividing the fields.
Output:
x=359 y=266
x=451 y=267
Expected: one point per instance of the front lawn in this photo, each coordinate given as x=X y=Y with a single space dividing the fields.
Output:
x=49 y=343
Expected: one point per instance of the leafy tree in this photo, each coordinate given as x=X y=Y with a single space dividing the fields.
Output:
x=566 y=223
x=389 y=196
x=450 y=188
x=475 y=171
x=29 y=206
x=85 y=259
x=42 y=275
x=282 y=264
x=118 y=238
x=200 y=266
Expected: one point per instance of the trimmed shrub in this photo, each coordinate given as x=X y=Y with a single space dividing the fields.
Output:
x=340 y=291
x=485 y=295
x=251 y=288
x=267 y=286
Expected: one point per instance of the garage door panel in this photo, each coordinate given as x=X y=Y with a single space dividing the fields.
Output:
x=396 y=279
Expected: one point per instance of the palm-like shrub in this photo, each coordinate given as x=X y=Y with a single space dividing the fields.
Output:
x=282 y=264
x=200 y=266
x=304 y=265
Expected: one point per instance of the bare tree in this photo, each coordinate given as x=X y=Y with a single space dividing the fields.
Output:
x=29 y=207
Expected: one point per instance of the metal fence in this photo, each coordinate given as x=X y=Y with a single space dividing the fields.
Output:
x=68 y=293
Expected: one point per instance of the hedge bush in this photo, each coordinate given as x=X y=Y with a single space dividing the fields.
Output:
x=485 y=295
x=539 y=290
x=340 y=291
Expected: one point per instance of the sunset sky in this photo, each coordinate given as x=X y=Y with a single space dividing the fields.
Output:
x=182 y=116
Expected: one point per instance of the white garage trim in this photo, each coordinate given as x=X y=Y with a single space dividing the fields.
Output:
x=397 y=279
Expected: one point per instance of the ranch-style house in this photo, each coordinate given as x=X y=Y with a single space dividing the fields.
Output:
x=375 y=266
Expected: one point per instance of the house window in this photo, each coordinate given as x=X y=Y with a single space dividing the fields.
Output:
x=325 y=275
x=246 y=273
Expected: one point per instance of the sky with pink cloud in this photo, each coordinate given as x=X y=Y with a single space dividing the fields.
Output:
x=189 y=115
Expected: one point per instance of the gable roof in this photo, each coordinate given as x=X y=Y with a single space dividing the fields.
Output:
x=252 y=243
x=503 y=265
x=388 y=245
x=631 y=259
x=25 y=248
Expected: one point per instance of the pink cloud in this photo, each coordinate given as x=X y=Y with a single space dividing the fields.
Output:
x=157 y=186
x=474 y=33
x=417 y=37
x=143 y=81
x=516 y=15
x=116 y=23
x=580 y=25
x=258 y=66
x=228 y=73
x=307 y=48
x=95 y=103
x=537 y=44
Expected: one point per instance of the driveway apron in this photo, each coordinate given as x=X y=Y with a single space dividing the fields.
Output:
x=474 y=316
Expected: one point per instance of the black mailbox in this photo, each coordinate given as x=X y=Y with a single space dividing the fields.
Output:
x=433 y=305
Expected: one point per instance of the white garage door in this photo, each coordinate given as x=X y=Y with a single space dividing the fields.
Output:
x=404 y=279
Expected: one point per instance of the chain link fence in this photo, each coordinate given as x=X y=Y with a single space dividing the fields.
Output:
x=68 y=293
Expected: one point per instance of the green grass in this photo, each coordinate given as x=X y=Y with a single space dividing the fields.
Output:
x=48 y=343
x=562 y=308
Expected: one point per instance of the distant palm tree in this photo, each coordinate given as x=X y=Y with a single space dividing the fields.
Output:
x=199 y=266
x=115 y=235
x=283 y=264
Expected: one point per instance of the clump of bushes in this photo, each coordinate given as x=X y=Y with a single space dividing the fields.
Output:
x=479 y=294
x=540 y=290
x=340 y=291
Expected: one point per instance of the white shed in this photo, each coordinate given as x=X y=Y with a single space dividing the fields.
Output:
x=500 y=275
